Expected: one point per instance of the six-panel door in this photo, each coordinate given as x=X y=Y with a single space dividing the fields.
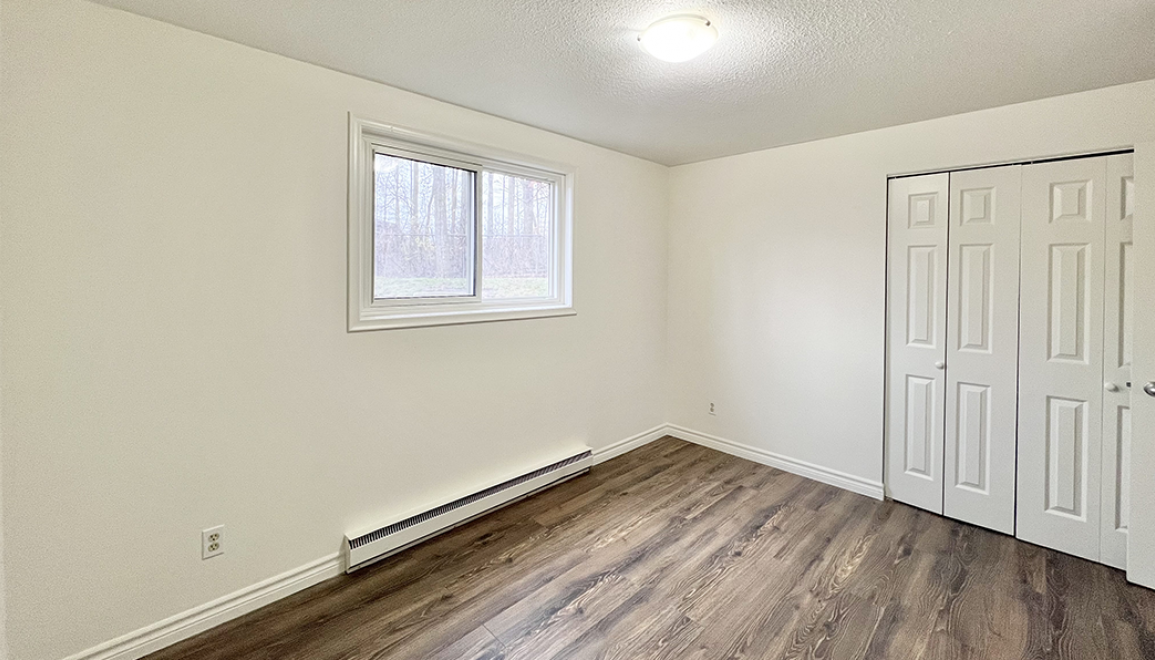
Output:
x=916 y=289
x=982 y=347
x=1061 y=356
x=1028 y=313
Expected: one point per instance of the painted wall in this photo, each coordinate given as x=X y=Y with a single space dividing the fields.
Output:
x=1141 y=531
x=173 y=324
x=777 y=269
x=3 y=585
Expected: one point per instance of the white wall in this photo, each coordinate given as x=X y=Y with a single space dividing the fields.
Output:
x=173 y=323
x=3 y=585
x=173 y=327
x=777 y=269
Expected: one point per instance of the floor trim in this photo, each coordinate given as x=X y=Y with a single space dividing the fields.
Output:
x=149 y=639
x=631 y=443
x=802 y=468
x=177 y=628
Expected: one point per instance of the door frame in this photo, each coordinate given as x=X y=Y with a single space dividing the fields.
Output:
x=1141 y=532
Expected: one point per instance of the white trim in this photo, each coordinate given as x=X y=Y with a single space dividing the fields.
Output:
x=152 y=638
x=802 y=468
x=149 y=639
x=368 y=137
x=458 y=316
x=631 y=443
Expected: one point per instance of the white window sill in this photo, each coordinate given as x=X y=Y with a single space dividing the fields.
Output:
x=416 y=318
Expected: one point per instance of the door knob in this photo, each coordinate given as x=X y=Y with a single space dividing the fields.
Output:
x=1149 y=388
x=940 y=365
x=1111 y=387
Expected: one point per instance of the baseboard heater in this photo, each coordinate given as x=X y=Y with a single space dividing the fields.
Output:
x=393 y=536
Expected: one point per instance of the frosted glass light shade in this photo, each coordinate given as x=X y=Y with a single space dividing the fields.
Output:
x=678 y=38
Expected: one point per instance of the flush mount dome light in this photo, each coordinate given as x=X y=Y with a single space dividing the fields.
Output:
x=678 y=38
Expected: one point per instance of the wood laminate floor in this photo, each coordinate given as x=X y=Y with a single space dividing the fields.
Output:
x=675 y=551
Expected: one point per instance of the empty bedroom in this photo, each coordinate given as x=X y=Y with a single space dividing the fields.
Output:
x=576 y=329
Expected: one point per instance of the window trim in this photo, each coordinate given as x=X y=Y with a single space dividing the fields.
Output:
x=366 y=139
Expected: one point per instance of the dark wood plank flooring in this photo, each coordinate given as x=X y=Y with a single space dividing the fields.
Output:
x=677 y=551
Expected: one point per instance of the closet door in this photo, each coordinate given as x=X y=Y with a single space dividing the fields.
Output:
x=982 y=347
x=1061 y=358
x=916 y=338
x=1119 y=312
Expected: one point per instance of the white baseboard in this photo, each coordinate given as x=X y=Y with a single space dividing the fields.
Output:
x=631 y=443
x=180 y=627
x=177 y=628
x=801 y=468
x=164 y=633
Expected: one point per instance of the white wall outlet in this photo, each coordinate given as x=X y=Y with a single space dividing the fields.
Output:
x=213 y=542
x=712 y=412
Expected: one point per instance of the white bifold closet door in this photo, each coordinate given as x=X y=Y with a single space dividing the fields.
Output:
x=1118 y=346
x=982 y=347
x=916 y=337
x=1010 y=341
x=1067 y=350
x=1075 y=356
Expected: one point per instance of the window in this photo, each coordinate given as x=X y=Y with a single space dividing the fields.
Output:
x=443 y=232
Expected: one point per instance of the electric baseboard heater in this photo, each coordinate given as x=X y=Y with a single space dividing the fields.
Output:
x=393 y=536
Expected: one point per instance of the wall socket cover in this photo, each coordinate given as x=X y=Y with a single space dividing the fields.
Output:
x=212 y=542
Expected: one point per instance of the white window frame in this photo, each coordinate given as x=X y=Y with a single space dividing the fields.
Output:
x=368 y=138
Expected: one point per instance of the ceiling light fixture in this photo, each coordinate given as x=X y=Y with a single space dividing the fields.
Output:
x=678 y=38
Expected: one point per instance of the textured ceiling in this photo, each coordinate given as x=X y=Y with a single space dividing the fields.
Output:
x=783 y=71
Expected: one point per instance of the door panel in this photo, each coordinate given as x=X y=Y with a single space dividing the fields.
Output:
x=1118 y=346
x=1068 y=320
x=922 y=295
x=920 y=432
x=1060 y=361
x=973 y=456
x=916 y=339
x=1066 y=455
x=982 y=347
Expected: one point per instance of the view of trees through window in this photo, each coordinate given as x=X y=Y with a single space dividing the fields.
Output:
x=516 y=217
x=424 y=221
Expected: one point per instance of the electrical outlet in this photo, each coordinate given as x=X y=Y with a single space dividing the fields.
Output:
x=712 y=408
x=212 y=542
